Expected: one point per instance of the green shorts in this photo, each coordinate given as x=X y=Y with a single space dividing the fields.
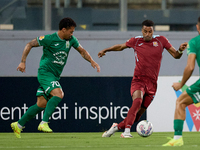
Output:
x=194 y=91
x=48 y=82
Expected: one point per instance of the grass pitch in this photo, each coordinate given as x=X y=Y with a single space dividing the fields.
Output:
x=94 y=141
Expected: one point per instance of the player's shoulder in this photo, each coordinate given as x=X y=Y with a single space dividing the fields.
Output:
x=73 y=38
x=138 y=37
x=159 y=36
x=134 y=39
x=194 y=41
x=53 y=35
x=47 y=36
x=197 y=38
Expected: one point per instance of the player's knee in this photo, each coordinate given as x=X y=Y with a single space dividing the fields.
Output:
x=57 y=92
x=41 y=105
x=180 y=104
x=137 y=101
x=60 y=94
x=41 y=102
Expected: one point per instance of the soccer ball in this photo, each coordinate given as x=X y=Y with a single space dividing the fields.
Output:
x=144 y=128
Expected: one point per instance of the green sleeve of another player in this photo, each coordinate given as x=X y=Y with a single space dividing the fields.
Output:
x=75 y=42
x=191 y=48
x=44 y=40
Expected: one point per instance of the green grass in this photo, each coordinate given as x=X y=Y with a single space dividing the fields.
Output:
x=94 y=141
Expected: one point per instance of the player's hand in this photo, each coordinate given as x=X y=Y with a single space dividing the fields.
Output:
x=95 y=65
x=183 y=46
x=177 y=86
x=101 y=53
x=21 y=67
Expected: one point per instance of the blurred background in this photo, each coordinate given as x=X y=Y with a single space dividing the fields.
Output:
x=104 y=97
x=123 y=15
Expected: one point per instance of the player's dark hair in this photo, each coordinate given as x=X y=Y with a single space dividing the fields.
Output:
x=66 y=23
x=199 y=20
x=148 y=23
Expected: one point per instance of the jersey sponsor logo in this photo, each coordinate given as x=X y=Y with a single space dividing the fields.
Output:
x=140 y=44
x=155 y=44
x=41 y=37
x=56 y=44
x=60 y=57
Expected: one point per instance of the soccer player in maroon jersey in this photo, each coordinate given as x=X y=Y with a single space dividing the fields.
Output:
x=148 y=51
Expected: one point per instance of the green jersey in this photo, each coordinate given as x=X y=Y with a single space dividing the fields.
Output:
x=194 y=48
x=55 y=52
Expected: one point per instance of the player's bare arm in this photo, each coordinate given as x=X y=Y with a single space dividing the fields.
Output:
x=117 y=47
x=22 y=65
x=187 y=72
x=177 y=53
x=87 y=57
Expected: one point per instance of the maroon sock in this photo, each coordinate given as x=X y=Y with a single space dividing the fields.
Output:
x=137 y=118
x=132 y=112
x=121 y=125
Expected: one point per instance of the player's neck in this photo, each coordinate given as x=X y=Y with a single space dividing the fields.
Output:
x=60 y=35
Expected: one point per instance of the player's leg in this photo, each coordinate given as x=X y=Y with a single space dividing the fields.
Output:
x=147 y=99
x=190 y=96
x=182 y=102
x=139 y=114
x=33 y=110
x=115 y=127
x=137 y=87
x=137 y=91
x=137 y=118
x=136 y=104
x=111 y=131
x=30 y=113
x=57 y=95
x=54 y=94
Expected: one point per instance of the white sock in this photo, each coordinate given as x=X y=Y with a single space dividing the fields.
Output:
x=42 y=122
x=176 y=137
x=127 y=130
x=19 y=125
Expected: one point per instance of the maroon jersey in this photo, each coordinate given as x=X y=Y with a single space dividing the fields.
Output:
x=148 y=55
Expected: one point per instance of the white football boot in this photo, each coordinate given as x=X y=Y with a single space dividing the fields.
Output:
x=111 y=131
x=126 y=135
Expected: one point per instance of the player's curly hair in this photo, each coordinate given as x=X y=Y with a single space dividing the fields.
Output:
x=148 y=23
x=199 y=20
x=66 y=23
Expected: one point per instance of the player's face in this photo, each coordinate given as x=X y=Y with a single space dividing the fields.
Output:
x=68 y=32
x=198 y=27
x=147 y=33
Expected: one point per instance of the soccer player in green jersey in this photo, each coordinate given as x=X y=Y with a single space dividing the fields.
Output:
x=192 y=93
x=56 y=49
